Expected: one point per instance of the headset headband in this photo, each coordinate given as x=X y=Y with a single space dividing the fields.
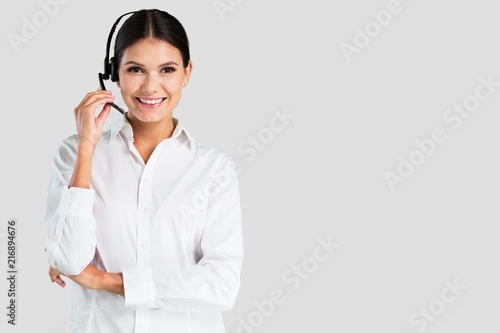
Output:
x=108 y=70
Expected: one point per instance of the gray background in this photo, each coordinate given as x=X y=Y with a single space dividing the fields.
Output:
x=322 y=176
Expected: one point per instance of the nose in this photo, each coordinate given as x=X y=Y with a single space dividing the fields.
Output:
x=150 y=84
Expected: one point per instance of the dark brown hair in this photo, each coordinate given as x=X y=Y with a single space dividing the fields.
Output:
x=154 y=23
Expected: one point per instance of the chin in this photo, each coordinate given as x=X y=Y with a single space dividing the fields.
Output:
x=150 y=115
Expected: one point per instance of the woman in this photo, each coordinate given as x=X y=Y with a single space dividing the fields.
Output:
x=142 y=217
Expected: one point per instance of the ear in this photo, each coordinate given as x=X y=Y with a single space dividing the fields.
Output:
x=118 y=83
x=187 y=71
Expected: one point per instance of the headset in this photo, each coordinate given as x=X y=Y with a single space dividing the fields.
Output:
x=111 y=65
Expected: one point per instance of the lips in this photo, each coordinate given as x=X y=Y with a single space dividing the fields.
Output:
x=150 y=101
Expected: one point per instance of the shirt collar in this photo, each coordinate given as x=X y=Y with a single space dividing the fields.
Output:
x=123 y=125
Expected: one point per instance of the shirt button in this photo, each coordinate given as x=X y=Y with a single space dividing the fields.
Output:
x=141 y=246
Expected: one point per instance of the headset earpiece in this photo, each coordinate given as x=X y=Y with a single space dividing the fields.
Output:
x=113 y=69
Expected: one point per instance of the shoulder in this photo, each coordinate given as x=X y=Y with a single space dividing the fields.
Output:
x=216 y=158
x=214 y=154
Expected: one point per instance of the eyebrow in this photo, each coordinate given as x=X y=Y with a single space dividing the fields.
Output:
x=168 y=63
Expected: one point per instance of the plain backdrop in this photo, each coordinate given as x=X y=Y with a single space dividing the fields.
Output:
x=322 y=175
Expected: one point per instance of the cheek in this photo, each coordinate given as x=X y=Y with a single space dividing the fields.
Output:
x=175 y=81
x=127 y=87
x=172 y=86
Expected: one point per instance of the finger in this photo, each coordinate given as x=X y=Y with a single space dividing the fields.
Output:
x=55 y=276
x=96 y=95
x=53 y=271
x=88 y=111
x=101 y=118
x=91 y=96
x=98 y=100
x=60 y=281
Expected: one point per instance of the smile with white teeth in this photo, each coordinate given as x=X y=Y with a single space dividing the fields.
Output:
x=150 y=101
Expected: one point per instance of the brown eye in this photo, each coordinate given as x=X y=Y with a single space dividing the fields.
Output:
x=168 y=70
x=134 y=70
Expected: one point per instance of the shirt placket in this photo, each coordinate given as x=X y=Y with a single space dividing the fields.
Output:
x=143 y=239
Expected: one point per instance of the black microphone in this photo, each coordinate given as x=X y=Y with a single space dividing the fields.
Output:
x=101 y=82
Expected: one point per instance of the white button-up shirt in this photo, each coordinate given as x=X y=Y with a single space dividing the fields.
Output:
x=172 y=226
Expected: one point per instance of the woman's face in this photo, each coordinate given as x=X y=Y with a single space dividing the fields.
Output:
x=151 y=76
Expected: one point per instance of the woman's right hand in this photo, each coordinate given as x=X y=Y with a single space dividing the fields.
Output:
x=88 y=125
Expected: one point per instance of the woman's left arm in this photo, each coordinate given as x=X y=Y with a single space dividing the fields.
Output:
x=92 y=278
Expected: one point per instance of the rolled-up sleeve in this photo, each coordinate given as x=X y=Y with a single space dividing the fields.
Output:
x=211 y=284
x=70 y=224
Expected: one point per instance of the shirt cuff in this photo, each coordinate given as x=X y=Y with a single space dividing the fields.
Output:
x=138 y=286
x=81 y=202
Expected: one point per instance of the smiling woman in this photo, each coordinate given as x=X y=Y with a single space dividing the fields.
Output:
x=115 y=219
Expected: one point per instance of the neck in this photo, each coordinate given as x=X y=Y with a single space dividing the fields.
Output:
x=148 y=135
x=151 y=133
